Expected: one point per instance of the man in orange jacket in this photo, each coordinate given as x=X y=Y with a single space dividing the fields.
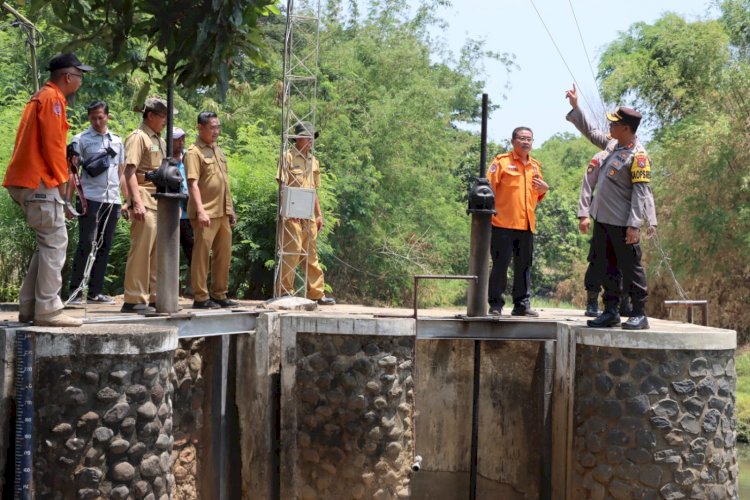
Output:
x=516 y=179
x=36 y=179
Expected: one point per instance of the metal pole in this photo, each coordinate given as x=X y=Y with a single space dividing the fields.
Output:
x=31 y=35
x=473 y=472
x=481 y=207
x=168 y=233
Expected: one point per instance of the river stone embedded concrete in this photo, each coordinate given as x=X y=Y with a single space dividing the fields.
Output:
x=103 y=409
x=347 y=407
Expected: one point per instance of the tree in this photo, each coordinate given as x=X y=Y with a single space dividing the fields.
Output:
x=195 y=42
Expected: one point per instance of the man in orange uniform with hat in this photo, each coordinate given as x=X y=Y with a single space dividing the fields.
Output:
x=36 y=178
x=516 y=179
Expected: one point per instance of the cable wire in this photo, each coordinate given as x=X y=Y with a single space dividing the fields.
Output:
x=585 y=51
x=559 y=52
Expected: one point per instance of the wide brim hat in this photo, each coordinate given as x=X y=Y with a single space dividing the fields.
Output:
x=305 y=129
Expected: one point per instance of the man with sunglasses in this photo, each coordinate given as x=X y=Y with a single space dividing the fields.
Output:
x=36 y=179
x=623 y=203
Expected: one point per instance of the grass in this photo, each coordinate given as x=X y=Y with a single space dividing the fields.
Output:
x=742 y=362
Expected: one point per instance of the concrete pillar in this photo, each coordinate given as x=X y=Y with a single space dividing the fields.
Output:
x=654 y=415
x=103 y=411
x=347 y=407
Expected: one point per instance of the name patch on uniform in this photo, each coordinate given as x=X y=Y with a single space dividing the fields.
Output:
x=512 y=167
x=641 y=169
x=155 y=148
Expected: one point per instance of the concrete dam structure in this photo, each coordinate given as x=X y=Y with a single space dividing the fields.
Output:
x=356 y=402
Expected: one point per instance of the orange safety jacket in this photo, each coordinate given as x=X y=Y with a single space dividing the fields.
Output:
x=39 y=152
x=515 y=196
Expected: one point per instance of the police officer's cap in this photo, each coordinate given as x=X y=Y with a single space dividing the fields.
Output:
x=305 y=129
x=68 y=60
x=628 y=116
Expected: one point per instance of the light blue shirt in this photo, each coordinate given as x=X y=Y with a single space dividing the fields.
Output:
x=105 y=187
x=183 y=203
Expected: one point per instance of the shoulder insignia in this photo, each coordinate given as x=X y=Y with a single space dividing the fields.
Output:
x=57 y=109
x=641 y=169
x=612 y=172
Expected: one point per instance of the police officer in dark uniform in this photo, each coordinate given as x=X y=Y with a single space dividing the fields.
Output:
x=623 y=203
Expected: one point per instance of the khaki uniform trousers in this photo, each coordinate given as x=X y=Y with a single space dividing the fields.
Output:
x=40 y=292
x=300 y=236
x=214 y=244
x=140 y=271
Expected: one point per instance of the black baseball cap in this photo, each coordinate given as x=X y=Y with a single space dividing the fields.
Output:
x=68 y=60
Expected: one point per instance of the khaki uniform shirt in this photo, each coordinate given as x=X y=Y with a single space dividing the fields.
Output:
x=145 y=149
x=300 y=171
x=621 y=180
x=208 y=165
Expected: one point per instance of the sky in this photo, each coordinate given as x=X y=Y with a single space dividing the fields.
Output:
x=537 y=95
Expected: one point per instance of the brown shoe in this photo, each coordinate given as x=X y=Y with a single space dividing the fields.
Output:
x=56 y=318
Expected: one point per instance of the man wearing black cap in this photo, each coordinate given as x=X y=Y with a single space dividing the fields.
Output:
x=302 y=170
x=621 y=206
x=36 y=179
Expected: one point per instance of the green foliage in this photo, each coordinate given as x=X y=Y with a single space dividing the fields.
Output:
x=198 y=40
x=666 y=67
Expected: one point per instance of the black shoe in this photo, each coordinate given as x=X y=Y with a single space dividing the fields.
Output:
x=137 y=308
x=605 y=320
x=592 y=308
x=636 y=322
x=205 y=304
x=225 y=302
x=524 y=311
x=496 y=311
x=326 y=301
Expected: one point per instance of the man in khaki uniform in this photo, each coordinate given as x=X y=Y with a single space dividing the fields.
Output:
x=302 y=170
x=144 y=151
x=211 y=214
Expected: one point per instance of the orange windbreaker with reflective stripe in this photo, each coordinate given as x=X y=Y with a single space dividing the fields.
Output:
x=39 y=152
x=515 y=196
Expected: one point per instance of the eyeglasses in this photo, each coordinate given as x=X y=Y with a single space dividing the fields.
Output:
x=79 y=75
x=525 y=139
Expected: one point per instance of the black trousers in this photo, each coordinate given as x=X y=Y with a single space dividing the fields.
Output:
x=94 y=225
x=593 y=279
x=506 y=244
x=623 y=272
x=187 y=239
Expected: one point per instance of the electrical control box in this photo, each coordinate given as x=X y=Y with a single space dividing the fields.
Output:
x=297 y=203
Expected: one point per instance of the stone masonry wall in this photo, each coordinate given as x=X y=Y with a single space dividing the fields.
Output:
x=188 y=416
x=355 y=404
x=104 y=427
x=654 y=424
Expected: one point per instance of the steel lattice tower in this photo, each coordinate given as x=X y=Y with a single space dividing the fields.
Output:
x=299 y=99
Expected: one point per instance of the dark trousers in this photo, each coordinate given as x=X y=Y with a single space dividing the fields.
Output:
x=95 y=225
x=187 y=239
x=519 y=245
x=593 y=279
x=623 y=272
